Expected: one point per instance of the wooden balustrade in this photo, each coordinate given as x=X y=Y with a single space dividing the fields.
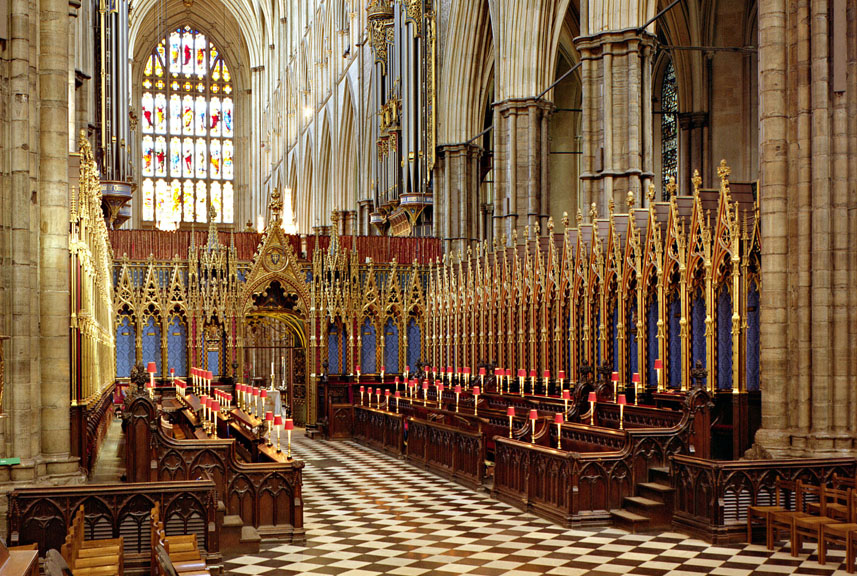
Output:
x=42 y=515
x=448 y=451
x=266 y=496
x=379 y=429
x=712 y=497
x=89 y=423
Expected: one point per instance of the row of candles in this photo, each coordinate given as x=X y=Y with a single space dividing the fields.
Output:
x=464 y=377
x=249 y=399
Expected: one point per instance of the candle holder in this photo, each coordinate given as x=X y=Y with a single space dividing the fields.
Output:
x=659 y=365
x=522 y=374
x=621 y=401
x=533 y=381
x=636 y=380
x=546 y=375
x=278 y=424
x=510 y=412
x=566 y=396
x=558 y=420
x=439 y=392
x=397 y=401
x=509 y=380
x=361 y=395
x=476 y=400
x=482 y=377
x=387 y=399
x=592 y=400
x=457 y=394
x=534 y=415
x=290 y=425
x=615 y=379
x=561 y=376
x=425 y=393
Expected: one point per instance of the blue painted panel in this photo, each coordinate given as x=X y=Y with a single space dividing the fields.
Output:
x=177 y=346
x=633 y=359
x=674 y=336
x=697 y=335
x=333 y=350
x=652 y=342
x=753 y=351
x=214 y=362
x=368 y=363
x=152 y=343
x=724 y=340
x=413 y=344
x=391 y=346
x=126 y=346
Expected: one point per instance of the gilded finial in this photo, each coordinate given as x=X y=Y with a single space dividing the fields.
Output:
x=527 y=232
x=503 y=239
x=515 y=236
x=611 y=206
x=550 y=226
x=630 y=200
x=723 y=171
x=651 y=193
x=579 y=217
x=593 y=212
x=697 y=182
x=672 y=189
x=565 y=219
x=536 y=230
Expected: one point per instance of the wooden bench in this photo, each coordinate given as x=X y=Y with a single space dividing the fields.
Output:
x=92 y=557
x=180 y=554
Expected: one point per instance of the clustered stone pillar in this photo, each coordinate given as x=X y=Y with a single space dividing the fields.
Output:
x=617 y=104
x=460 y=196
x=809 y=230
x=53 y=197
x=521 y=149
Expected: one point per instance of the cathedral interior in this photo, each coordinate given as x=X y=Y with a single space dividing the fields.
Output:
x=416 y=287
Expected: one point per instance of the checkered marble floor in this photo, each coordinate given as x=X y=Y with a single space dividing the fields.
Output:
x=367 y=514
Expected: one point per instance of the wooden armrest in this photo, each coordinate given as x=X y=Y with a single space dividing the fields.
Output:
x=182 y=538
x=171 y=546
x=112 y=560
x=100 y=551
x=190 y=556
x=190 y=565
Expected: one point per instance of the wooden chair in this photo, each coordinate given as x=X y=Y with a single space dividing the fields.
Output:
x=779 y=520
x=761 y=514
x=94 y=557
x=810 y=526
x=841 y=533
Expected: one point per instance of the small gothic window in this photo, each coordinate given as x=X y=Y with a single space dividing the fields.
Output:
x=669 y=127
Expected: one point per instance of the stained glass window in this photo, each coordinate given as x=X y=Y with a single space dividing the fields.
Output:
x=187 y=150
x=669 y=127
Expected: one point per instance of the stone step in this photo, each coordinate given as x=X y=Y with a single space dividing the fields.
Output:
x=629 y=521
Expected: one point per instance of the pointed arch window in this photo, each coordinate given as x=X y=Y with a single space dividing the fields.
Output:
x=669 y=127
x=187 y=125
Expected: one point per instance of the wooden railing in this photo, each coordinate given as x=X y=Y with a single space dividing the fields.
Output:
x=266 y=496
x=712 y=497
x=42 y=516
x=379 y=429
x=446 y=450
x=592 y=482
x=89 y=425
x=340 y=422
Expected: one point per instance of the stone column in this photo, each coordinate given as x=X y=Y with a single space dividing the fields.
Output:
x=617 y=150
x=809 y=270
x=53 y=197
x=521 y=151
x=458 y=206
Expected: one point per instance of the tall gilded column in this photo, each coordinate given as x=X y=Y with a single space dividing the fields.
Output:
x=53 y=198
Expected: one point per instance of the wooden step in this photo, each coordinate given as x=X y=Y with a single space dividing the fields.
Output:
x=655 y=511
x=629 y=521
x=236 y=538
x=660 y=475
x=657 y=491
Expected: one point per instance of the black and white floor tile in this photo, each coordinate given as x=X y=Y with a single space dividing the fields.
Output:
x=367 y=514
